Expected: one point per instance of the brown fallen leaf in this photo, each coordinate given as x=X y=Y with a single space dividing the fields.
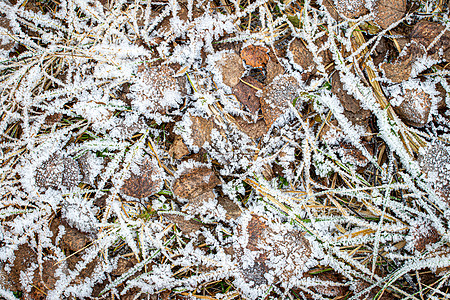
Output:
x=86 y=168
x=187 y=226
x=200 y=131
x=290 y=251
x=423 y=235
x=53 y=118
x=146 y=182
x=352 y=107
x=387 y=12
x=273 y=69
x=124 y=265
x=255 y=56
x=351 y=154
x=415 y=108
x=24 y=257
x=233 y=210
x=428 y=35
x=442 y=96
x=49 y=276
x=6 y=43
x=72 y=239
x=58 y=171
x=305 y=59
x=425 y=38
x=154 y=84
x=277 y=96
x=254 y=130
x=231 y=68
x=336 y=290
x=245 y=92
x=301 y=55
x=178 y=149
x=349 y=8
x=194 y=182
x=198 y=201
x=399 y=70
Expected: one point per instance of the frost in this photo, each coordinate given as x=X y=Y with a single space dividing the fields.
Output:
x=96 y=96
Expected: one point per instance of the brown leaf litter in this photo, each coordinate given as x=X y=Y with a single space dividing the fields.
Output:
x=290 y=249
x=415 y=107
x=200 y=131
x=144 y=183
x=245 y=92
x=255 y=56
x=58 y=171
x=277 y=96
x=426 y=38
x=194 y=182
x=231 y=68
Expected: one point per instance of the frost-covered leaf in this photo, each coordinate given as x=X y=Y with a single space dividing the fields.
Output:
x=265 y=253
x=194 y=181
x=255 y=56
x=58 y=171
x=388 y=12
x=276 y=98
x=245 y=92
x=145 y=179
x=230 y=68
x=415 y=107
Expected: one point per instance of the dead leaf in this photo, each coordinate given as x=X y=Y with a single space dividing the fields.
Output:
x=400 y=70
x=388 y=12
x=53 y=118
x=200 y=132
x=260 y=239
x=178 y=149
x=154 y=84
x=352 y=107
x=351 y=154
x=305 y=59
x=255 y=56
x=372 y=293
x=233 y=210
x=425 y=34
x=145 y=183
x=24 y=256
x=198 y=201
x=194 y=182
x=301 y=55
x=6 y=43
x=245 y=92
x=58 y=171
x=348 y=8
x=86 y=168
x=415 y=108
x=254 y=130
x=276 y=98
x=423 y=235
x=187 y=226
x=336 y=290
x=231 y=68
x=124 y=265
x=273 y=69
x=72 y=239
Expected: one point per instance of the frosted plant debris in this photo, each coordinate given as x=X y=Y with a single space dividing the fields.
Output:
x=169 y=169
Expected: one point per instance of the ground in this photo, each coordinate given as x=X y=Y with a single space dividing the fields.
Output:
x=224 y=149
